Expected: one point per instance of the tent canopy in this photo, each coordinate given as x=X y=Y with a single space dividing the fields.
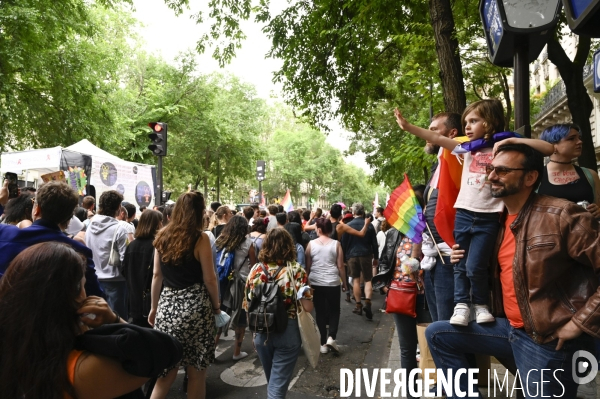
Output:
x=85 y=147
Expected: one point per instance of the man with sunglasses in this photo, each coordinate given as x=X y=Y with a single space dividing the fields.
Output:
x=545 y=284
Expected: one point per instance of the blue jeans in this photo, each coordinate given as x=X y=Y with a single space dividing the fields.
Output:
x=448 y=345
x=476 y=233
x=116 y=296
x=407 y=335
x=278 y=354
x=439 y=289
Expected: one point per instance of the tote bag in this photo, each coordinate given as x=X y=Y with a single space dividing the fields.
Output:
x=309 y=332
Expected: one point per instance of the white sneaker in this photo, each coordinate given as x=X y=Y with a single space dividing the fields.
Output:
x=587 y=391
x=324 y=349
x=460 y=317
x=331 y=344
x=240 y=356
x=483 y=315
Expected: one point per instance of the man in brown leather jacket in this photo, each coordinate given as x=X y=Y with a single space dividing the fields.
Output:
x=545 y=284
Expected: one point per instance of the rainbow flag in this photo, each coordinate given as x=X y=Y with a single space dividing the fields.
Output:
x=447 y=180
x=286 y=202
x=404 y=212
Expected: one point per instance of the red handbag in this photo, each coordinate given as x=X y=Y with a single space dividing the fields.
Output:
x=402 y=298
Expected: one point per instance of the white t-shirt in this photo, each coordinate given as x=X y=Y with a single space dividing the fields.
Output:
x=475 y=194
x=324 y=270
x=128 y=227
x=381 y=241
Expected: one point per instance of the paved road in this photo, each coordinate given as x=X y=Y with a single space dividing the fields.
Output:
x=363 y=344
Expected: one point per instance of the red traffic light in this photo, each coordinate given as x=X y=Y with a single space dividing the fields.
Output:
x=156 y=126
x=159 y=138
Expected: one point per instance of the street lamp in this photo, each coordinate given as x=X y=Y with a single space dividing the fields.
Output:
x=516 y=31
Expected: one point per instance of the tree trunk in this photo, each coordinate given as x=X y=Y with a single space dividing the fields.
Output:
x=578 y=99
x=506 y=91
x=446 y=47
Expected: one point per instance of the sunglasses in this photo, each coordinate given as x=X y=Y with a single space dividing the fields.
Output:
x=501 y=171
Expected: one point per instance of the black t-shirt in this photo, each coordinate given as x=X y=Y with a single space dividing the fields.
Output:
x=577 y=191
x=217 y=230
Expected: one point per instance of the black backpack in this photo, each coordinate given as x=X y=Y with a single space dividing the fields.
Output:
x=266 y=312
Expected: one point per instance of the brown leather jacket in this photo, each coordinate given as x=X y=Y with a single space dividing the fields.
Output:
x=555 y=269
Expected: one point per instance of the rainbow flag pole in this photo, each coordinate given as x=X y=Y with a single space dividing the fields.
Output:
x=286 y=202
x=404 y=212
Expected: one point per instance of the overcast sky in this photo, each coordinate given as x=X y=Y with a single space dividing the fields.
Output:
x=167 y=34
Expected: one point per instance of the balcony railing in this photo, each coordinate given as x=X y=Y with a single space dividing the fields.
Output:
x=558 y=93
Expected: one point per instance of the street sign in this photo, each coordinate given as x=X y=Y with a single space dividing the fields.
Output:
x=509 y=23
x=583 y=16
x=597 y=71
x=492 y=25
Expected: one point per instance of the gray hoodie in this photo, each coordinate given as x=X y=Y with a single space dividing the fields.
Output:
x=98 y=238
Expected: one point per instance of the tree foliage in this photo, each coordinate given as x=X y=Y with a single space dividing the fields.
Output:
x=58 y=64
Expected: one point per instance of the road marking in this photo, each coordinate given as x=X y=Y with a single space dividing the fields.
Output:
x=220 y=349
x=245 y=373
x=296 y=377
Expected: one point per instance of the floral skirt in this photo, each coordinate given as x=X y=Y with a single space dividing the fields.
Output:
x=187 y=315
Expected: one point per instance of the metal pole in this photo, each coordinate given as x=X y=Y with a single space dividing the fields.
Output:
x=259 y=192
x=521 y=66
x=159 y=183
x=218 y=177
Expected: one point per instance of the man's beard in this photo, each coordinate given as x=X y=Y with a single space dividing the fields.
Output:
x=505 y=190
x=431 y=149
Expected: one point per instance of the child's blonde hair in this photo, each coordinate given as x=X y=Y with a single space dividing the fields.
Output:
x=492 y=113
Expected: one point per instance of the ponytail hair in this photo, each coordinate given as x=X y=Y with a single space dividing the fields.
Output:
x=324 y=225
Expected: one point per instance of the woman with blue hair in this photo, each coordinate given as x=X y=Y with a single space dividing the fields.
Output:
x=563 y=179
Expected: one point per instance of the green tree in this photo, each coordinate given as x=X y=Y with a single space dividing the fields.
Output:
x=215 y=138
x=579 y=102
x=58 y=63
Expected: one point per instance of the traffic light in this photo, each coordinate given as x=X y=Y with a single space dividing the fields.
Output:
x=260 y=170
x=159 y=138
x=166 y=195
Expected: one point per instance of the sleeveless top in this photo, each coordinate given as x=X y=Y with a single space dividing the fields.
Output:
x=324 y=270
x=71 y=363
x=576 y=191
x=183 y=275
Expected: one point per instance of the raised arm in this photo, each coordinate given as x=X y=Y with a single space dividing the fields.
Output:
x=425 y=134
x=540 y=145
x=342 y=228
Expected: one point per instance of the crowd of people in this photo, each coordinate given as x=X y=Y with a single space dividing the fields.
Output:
x=157 y=270
x=519 y=282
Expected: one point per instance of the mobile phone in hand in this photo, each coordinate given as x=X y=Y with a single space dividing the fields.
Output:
x=13 y=187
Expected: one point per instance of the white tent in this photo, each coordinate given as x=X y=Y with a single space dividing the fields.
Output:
x=108 y=172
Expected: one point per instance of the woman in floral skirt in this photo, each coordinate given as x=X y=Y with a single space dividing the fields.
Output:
x=183 y=264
